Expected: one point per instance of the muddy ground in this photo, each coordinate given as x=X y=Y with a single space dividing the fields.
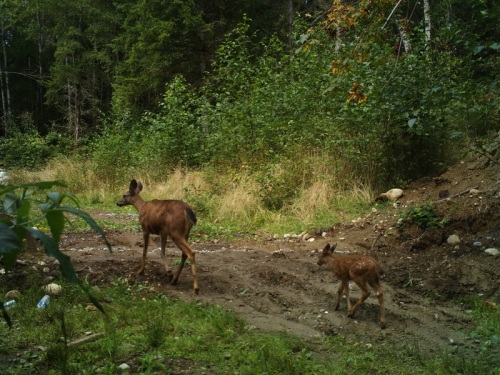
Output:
x=276 y=285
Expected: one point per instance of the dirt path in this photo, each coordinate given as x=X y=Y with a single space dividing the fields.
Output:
x=276 y=285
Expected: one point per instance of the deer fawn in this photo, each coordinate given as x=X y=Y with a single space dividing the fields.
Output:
x=167 y=218
x=361 y=269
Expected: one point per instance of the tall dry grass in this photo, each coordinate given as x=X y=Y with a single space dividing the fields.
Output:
x=324 y=194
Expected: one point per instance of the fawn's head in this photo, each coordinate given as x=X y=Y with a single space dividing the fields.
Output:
x=327 y=251
x=133 y=191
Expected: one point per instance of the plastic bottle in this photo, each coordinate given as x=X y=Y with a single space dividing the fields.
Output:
x=10 y=303
x=42 y=304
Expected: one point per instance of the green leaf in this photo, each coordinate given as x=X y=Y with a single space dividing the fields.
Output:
x=412 y=122
x=55 y=197
x=10 y=203
x=5 y=315
x=9 y=241
x=91 y=222
x=51 y=248
x=10 y=245
x=55 y=220
x=23 y=212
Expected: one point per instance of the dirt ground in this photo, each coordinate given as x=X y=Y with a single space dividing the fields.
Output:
x=275 y=284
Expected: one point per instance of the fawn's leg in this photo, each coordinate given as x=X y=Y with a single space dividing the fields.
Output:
x=145 y=237
x=339 y=293
x=365 y=293
x=380 y=297
x=346 y=294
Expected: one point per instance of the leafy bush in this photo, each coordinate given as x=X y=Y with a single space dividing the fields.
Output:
x=423 y=216
x=18 y=218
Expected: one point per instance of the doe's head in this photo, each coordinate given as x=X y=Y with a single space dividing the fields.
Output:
x=327 y=251
x=133 y=190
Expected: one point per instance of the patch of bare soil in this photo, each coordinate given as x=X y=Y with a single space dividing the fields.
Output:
x=276 y=285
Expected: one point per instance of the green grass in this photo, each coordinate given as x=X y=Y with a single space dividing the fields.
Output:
x=156 y=334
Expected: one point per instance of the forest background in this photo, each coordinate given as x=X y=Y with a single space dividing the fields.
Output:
x=286 y=106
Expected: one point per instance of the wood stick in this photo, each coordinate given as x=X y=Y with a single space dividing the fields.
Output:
x=456 y=195
x=85 y=340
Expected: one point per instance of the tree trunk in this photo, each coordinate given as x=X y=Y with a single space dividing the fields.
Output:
x=404 y=34
x=427 y=21
x=5 y=84
x=290 y=24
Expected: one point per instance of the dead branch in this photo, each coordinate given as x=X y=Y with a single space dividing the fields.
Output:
x=456 y=195
x=85 y=340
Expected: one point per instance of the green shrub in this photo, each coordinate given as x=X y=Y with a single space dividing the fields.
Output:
x=423 y=216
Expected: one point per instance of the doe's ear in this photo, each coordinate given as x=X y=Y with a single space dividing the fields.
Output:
x=133 y=185
x=139 y=186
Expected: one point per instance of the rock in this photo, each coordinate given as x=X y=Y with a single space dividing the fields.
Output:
x=444 y=194
x=477 y=244
x=492 y=251
x=474 y=191
x=392 y=195
x=453 y=240
x=13 y=294
x=124 y=366
x=52 y=289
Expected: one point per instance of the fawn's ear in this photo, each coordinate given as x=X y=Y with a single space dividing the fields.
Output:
x=326 y=249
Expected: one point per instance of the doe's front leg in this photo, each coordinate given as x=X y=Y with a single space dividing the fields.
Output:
x=140 y=271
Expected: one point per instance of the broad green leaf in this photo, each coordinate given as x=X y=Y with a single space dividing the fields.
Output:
x=23 y=212
x=46 y=207
x=412 y=122
x=55 y=220
x=10 y=203
x=5 y=315
x=9 y=241
x=51 y=248
x=10 y=245
x=55 y=197
x=90 y=221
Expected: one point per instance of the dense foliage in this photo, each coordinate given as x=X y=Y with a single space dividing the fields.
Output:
x=383 y=92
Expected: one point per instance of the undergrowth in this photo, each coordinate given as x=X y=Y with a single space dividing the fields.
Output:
x=152 y=333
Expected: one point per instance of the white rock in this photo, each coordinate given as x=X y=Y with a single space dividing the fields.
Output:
x=124 y=366
x=52 y=289
x=474 y=191
x=13 y=294
x=453 y=240
x=392 y=195
x=492 y=251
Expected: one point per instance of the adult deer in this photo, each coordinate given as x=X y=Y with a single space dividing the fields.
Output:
x=172 y=218
x=363 y=270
